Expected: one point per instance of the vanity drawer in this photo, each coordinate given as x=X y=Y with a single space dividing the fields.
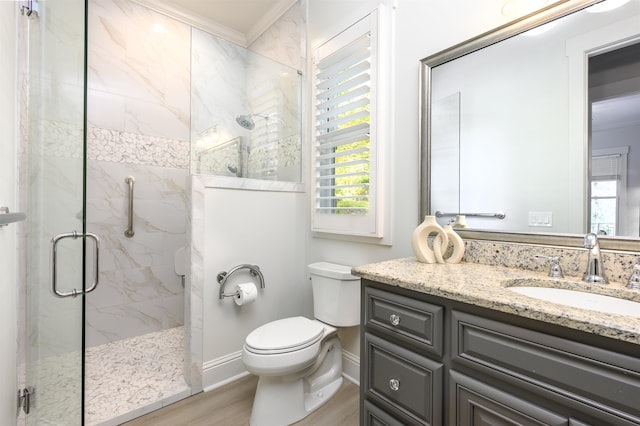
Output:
x=475 y=403
x=410 y=320
x=581 y=372
x=373 y=416
x=407 y=384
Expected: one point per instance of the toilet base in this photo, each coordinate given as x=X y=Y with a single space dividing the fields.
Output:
x=282 y=400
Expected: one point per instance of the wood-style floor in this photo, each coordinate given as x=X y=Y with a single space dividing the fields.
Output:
x=230 y=405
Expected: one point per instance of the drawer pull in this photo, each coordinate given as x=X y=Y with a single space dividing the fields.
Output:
x=394 y=319
x=394 y=385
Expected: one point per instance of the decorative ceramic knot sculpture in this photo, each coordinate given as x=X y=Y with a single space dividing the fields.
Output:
x=440 y=246
x=420 y=241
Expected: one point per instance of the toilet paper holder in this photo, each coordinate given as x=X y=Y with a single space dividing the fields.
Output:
x=254 y=270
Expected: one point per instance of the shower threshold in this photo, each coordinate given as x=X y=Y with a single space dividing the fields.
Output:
x=132 y=377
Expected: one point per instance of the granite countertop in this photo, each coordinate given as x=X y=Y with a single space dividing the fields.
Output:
x=486 y=286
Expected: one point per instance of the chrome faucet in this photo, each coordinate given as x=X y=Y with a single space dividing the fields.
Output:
x=555 y=271
x=634 y=280
x=595 y=268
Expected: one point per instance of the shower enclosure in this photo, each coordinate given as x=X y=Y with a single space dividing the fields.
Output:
x=56 y=264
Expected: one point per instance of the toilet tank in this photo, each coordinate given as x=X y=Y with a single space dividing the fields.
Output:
x=336 y=294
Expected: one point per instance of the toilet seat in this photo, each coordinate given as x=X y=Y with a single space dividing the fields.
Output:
x=285 y=335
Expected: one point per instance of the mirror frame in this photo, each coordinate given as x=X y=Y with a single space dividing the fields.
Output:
x=556 y=10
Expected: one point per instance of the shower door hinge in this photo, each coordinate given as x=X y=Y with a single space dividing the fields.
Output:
x=25 y=399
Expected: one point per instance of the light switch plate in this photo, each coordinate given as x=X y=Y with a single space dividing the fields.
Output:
x=544 y=219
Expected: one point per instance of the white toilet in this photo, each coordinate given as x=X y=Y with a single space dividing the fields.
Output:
x=299 y=360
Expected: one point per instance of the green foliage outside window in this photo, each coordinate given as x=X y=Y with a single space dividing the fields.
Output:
x=353 y=198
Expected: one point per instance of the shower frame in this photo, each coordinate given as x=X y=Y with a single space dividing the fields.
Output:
x=54 y=251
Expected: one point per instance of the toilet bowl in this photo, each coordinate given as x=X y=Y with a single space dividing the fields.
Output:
x=284 y=346
x=299 y=360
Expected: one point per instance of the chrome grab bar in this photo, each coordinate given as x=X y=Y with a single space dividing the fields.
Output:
x=498 y=215
x=129 y=232
x=254 y=270
x=6 y=217
x=54 y=263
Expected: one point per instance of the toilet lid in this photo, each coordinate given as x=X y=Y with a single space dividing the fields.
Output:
x=284 y=335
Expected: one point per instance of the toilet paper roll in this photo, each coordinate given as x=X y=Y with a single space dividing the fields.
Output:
x=245 y=293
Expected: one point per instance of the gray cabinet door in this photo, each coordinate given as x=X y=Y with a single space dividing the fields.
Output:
x=374 y=416
x=590 y=376
x=405 y=383
x=473 y=403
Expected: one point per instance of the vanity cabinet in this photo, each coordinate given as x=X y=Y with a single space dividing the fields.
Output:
x=402 y=373
x=433 y=361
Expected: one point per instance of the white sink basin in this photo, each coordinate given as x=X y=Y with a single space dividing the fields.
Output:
x=582 y=300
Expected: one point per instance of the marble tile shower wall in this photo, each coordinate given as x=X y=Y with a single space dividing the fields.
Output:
x=139 y=291
x=284 y=41
x=139 y=70
x=273 y=157
x=138 y=113
x=218 y=73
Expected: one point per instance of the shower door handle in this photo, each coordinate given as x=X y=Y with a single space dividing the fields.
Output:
x=54 y=261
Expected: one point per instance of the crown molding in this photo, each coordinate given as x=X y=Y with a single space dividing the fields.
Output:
x=188 y=17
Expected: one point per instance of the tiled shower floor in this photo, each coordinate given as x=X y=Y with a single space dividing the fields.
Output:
x=132 y=377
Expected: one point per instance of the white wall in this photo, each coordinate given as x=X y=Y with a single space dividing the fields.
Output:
x=422 y=28
x=256 y=227
x=8 y=184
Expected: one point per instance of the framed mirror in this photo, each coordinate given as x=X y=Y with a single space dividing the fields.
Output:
x=516 y=128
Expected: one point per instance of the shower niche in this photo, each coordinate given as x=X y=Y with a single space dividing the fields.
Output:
x=245 y=113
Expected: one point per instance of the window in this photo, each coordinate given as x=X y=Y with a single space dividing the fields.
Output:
x=345 y=155
x=608 y=191
x=604 y=206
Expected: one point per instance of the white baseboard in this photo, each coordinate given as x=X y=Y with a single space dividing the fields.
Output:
x=351 y=367
x=223 y=370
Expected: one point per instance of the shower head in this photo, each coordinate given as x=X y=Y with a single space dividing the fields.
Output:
x=246 y=121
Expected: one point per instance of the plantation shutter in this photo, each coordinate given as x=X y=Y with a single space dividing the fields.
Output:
x=344 y=151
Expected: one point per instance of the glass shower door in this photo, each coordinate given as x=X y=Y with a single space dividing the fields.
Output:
x=59 y=263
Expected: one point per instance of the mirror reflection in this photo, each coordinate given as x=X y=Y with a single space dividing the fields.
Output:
x=515 y=131
x=614 y=96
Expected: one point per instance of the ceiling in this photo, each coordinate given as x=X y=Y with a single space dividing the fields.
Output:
x=239 y=21
x=239 y=15
x=621 y=111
